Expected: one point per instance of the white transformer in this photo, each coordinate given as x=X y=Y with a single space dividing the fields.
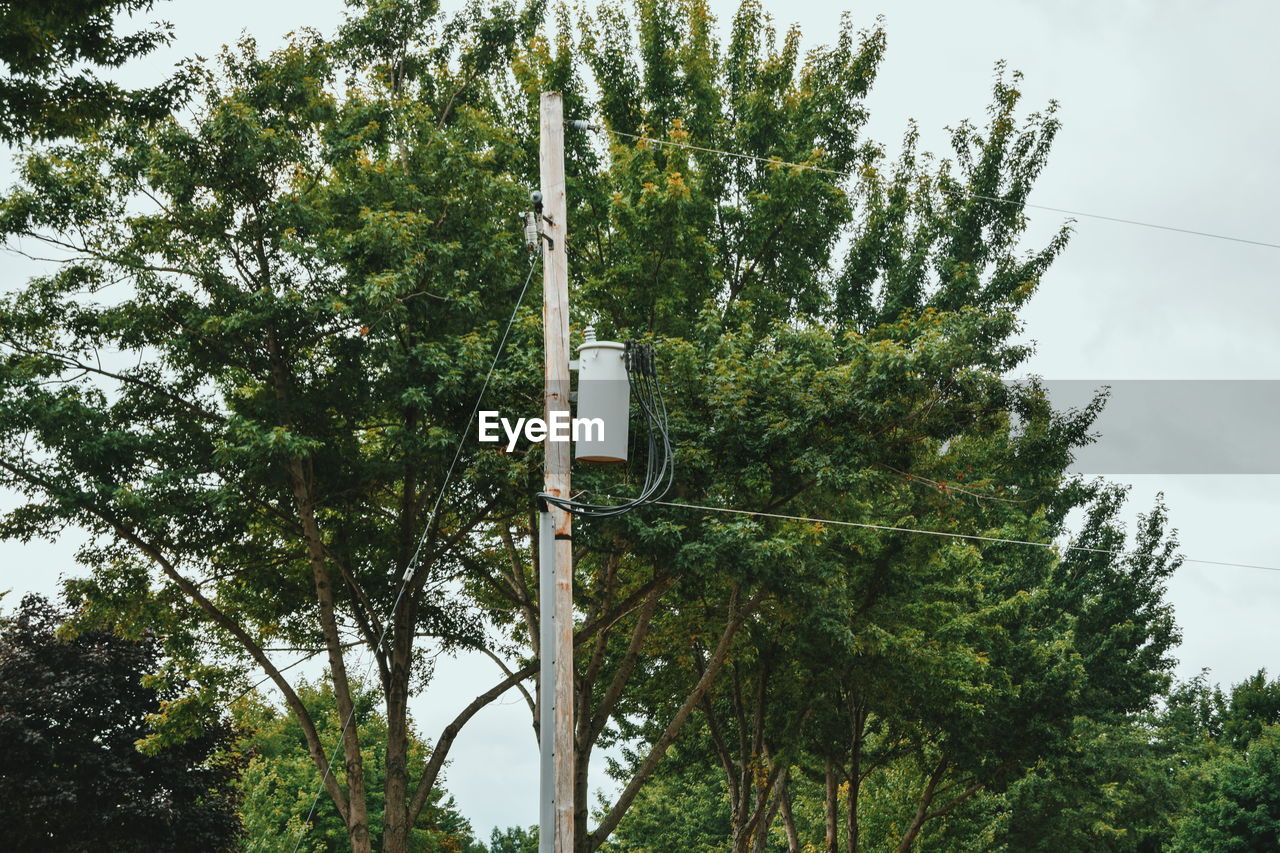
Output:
x=600 y=430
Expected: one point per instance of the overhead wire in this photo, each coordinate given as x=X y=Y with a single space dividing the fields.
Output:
x=836 y=172
x=660 y=465
x=412 y=566
x=585 y=125
x=947 y=534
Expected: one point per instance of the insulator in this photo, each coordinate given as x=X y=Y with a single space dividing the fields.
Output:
x=531 y=232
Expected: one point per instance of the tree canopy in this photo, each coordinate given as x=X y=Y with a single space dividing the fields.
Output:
x=251 y=373
x=277 y=786
x=50 y=50
x=80 y=769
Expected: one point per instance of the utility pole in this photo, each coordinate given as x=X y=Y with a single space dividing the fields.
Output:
x=555 y=527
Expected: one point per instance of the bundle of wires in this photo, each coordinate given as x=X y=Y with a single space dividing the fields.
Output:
x=642 y=374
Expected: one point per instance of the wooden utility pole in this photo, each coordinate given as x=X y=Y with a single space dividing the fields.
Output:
x=555 y=524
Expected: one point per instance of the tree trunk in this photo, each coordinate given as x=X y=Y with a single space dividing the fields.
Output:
x=855 y=788
x=301 y=479
x=922 y=811
x=832 y=806
x=762 y=829
x=788 y=818
x=855 y=773
x=357 y=817
x=754 y=832
x=581 y=838
x=443 y=743
x=743 y=831
x=395 y=820
x=659 y=749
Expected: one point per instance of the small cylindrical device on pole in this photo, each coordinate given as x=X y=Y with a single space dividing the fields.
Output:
x=531 y=231
x=604 y=401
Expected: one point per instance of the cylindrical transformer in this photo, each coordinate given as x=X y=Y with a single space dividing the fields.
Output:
x=604 y=402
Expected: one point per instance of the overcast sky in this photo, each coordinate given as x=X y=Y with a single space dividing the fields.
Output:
x=1169 y=116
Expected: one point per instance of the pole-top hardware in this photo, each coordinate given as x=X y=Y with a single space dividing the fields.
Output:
x=531 y=232
x=533 y=224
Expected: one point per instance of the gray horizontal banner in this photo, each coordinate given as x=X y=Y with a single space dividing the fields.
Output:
x=1177 y=426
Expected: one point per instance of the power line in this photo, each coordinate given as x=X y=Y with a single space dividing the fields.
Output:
x=1156 y=225
x=815 y=168
x=766 y=160
x=412 y=567
x=947 y=534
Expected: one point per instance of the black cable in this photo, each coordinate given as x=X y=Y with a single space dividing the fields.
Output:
x=660 y=463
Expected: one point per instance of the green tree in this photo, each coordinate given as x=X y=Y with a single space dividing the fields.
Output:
x=1240 y=810
x=81 y=769
x=251 y=373
x=278 y=783
x=50 y=49
x=686 y=807
x=1111 y=789
x=514 y=839
x=1253 y=705
x=289 y=250
x=1052 y=670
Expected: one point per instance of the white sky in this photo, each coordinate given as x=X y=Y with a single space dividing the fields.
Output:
x=1167 y=117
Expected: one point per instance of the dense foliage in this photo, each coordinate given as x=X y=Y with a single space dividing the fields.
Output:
x=50 y=50
x=1173 y=779
x=75 y=707
x=251 y=373
x=278 y=789
x=514 y=839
